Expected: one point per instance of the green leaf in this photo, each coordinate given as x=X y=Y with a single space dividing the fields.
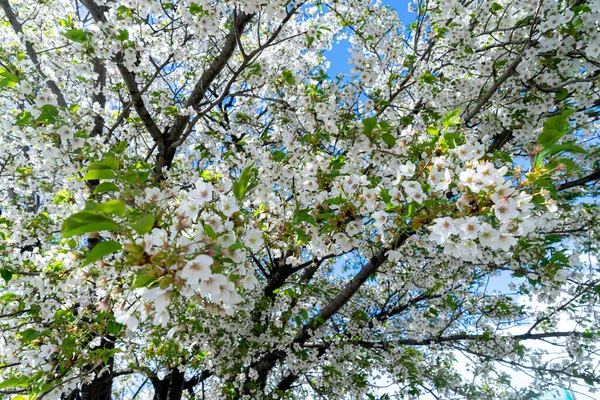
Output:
x=105 y=187
x=210 y=232
x=9 y=76
x=433 y=130
x=235 y=246
x=87 y=221
x=49 y=114
x=495 y=7
x=452 y=118
x=143 y=280
x=428 y=78
x=14 y=382
x=114 y=327
x=385 y=196
x=115 y=207
x=549 y=136
x=144 y=224
x=452 y=139
x=289 y=77
x=336 y=201
x=29 y=334
x=102 y=249
x=93 y=166
x=369 y=125
x=110 y=162
x=76 y=35
x=99 y=174
x=123 y=35
x=278 y=155
x=5 y=82
x=560 y=122
x=504 y=156
x=302 y=235
x=130 y=177
x=6 y=274
x=388 y=139
x=244 y=182
x=562 y=94
x=554 y=149
x=196 y=9
x=303 y=216
x=120 y=147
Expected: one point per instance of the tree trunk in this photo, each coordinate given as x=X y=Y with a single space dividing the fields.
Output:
x=170 y=388
x=101 y=386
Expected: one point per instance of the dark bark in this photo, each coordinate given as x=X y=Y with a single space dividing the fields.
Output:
x=173 y=385
x=168 y=145
x=101 y=386
x=594 y=176
x=264 y=366
x=31 y=53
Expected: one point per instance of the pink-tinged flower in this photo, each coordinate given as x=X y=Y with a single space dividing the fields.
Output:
x=504 y=242
x=469 y=250
x=413 y=191
x=407 y=169
x=197 y=269
x=161 y=297
x=506 y=210
x=129 y=321
x=440 y=181
x=162 y=318
x=502 y=192
x=214 y=286
x=153 y=195
x=452 y=249
x=486 y=172
x=470 y=179
x=189 y=209
x=487 y=235
x=442 y=229
x=469 y=229
x=380 y=218
x=229 y=206
x=202 y=193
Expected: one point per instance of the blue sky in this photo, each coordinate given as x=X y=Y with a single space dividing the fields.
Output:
x=338 y=55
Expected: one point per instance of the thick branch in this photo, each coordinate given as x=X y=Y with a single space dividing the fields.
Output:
x=594 y=176
x=99 y=96
x=29 y=50
x=503 y=78
x=267 y=362
x=128 y=76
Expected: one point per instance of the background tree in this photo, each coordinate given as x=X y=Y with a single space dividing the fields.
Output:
x=191 y=205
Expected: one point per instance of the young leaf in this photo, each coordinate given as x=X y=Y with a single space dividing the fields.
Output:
x=76 y=35
x=102 y=249
x=14 y=382
x=99 y=174
x=87 y=221
x=549 y=136
x=105 y=187
x=388 y=139
x=289 y=77
x=143 y=280
x=369 y=125
x=452 y=118
x=115 y=207
x=144 y=224
x=560 y=122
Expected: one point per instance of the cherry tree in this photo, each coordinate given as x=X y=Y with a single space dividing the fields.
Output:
x=191 y=205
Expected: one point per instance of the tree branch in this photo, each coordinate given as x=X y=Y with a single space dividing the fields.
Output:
x=29 y=50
